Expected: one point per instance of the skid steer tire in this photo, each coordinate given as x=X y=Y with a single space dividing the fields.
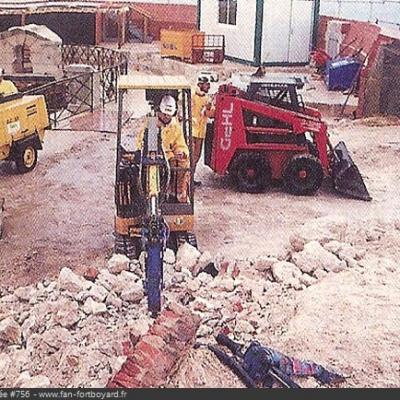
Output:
x=250 y=173
x=303 y=175
x=26 y=158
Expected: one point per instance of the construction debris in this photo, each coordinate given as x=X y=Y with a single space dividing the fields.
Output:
x=1 y=216
x=84 y=331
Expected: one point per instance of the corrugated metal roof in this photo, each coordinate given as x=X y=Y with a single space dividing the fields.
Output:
x=14 y=6
x=156 y=11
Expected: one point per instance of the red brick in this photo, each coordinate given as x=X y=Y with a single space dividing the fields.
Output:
x=160 y=351
x=91 y=273
x=223 y=267
x=131 y=368
x=127 y=348
x=225 y=330
x=148 y=349
x=237 y=307
x=235 y=272
x=124 y=381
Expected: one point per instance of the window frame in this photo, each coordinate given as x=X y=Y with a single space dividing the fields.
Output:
x=227 y=12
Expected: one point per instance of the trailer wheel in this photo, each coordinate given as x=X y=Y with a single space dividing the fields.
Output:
x=250 y=172
x=26 y=158
x=303 y=175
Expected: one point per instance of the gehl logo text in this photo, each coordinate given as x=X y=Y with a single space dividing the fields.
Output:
x=227 y=124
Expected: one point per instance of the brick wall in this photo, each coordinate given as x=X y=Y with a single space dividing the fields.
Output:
x=159 y=353
x=367 y=40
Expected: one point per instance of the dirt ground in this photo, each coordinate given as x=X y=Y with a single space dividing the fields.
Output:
x=61 y=214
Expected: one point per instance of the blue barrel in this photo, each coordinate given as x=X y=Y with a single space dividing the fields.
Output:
x=341 y=73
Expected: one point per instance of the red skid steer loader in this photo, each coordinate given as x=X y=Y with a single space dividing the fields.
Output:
x=267 y=133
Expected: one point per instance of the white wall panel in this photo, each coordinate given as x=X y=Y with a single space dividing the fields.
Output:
x=287 y=30
x=301 y=31
x=239 y=38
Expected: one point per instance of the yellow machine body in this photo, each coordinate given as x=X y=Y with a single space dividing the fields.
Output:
x=20 y=119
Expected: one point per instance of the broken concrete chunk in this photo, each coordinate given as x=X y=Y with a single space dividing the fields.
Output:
x=114 y=301
x=5 y=363
x=10 y=331
x=25 y=381
x=308 y=280
x=205 y=278
x=264 y=263
x=286 y=273
x=118 y=263
x=297 y=243
x=187 y=257
x=25 y=293
x=169 y=257
x=133 y=294
x=204 y=260
x=56 y=338
x=125 y=281
x=243 y=326
x=92 y=307
x=204 y=330
x=66 y=313
x=1 y=216
x=98 y=293
x=71 y=282
x=223 y=284
x=320 y=274
x=29 y=327
x=314 y=257
x=194 y=285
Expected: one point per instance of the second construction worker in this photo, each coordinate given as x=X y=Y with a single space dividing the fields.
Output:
x=202 y=110
x=174 y=146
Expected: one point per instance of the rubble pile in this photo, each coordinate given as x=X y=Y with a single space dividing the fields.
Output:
x=77 y=331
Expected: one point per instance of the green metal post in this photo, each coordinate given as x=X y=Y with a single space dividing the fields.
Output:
x=258 y=33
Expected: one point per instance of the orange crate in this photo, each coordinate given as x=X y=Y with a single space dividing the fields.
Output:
x=178 y=44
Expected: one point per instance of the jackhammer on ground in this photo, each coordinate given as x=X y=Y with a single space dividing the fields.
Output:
x=261 y=367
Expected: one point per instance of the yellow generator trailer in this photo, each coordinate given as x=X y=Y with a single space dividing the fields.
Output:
x=23 y=121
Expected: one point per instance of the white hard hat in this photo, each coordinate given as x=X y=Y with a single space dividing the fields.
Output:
x=168 y=105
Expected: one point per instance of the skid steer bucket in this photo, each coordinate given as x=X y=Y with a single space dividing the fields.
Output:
x=346 y=176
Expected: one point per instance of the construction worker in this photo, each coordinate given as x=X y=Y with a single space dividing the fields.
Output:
x=174 y=146
x=202 y=110
x=7 y=88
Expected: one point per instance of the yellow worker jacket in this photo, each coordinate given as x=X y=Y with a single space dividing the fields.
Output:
x=200 y=114
x=173 y=139
x=7 y=88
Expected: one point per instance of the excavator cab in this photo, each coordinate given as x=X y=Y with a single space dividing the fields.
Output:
x=144 y=178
